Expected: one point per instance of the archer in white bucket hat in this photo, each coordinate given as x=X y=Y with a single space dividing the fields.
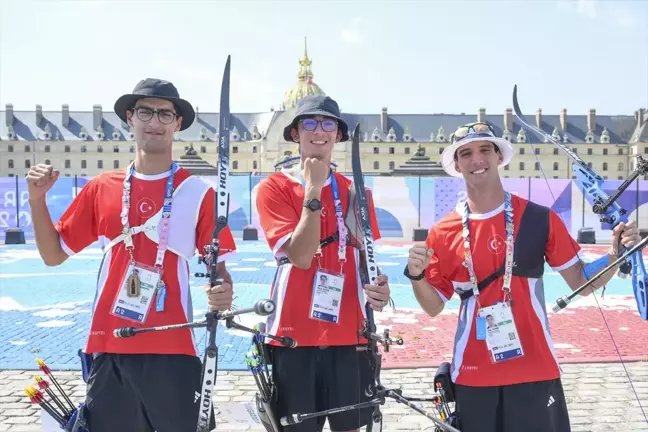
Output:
x=470 y=133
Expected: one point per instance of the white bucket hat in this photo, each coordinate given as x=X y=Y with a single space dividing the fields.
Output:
x=469 y=133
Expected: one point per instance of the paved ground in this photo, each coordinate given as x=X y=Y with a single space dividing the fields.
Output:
x=599 y=395
x=46 y=312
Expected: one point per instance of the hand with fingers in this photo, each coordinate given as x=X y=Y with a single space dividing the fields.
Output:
x=378 y=294
x=315 y=172
x=419 y=258
x=220 y=297
x=40 y=179
x=625 y=233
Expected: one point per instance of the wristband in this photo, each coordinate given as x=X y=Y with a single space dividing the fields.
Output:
x=409 y=276
x=590 y=269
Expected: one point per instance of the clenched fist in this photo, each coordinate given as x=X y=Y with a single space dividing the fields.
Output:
x=419 y=259
x=40 y=179
x=315 y=172
x=219 y=297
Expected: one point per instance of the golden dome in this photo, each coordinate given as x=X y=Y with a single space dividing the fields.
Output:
x=305 y=85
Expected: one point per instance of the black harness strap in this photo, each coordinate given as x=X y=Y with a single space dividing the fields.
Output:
x=327 y=241
x=529 y=247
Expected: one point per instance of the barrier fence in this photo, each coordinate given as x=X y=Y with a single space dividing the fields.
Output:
x=402 y=203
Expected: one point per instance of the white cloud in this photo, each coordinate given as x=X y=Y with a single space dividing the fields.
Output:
x=624 y=18
x=352 y=34
x=587 y=8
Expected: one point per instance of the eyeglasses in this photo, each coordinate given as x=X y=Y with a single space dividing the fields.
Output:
x=478 y=129
x=310 y=124
x=145 y=114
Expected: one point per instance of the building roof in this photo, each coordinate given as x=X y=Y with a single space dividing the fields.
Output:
x=65 y=125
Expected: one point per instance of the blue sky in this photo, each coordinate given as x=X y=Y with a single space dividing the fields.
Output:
x=412 y=57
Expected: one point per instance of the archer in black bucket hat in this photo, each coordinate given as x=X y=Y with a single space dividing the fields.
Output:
x=160 y=89
x=312 y=105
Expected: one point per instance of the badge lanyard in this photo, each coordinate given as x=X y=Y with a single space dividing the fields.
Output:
x=339 y=216
x=328 y=287
x=508 y=268
x=164 y=229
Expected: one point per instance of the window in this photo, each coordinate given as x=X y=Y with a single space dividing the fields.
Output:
x=521 y=150
x=235 y=149
x=555 y=151
x=621 y=151
x=47 y=162
x=521 y=166
x=115 y=149
x=605 y=152
x=99 y=149
x=235 y=163
x=84 y=164
x=376 y=150
x=27 y=163
x=203 y=149
x=27 y=148
x=392 y=165
x=67 y=149
x=620 y=165
x=392 y=150
x=555 y=166
x=100 y=164
x=589 y=151
x=254 y=149
x=10 y=163
x=376 y=165
x=67 y=163
x=116 y=164
x=537 y=166
x=254 y=165
x=407 y=150
x=605 y=166
x=83 y=149
x=536 y=151
x=47 y=148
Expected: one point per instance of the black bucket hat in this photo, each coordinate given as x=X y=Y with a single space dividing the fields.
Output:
x=312 y=105
x=156 y=88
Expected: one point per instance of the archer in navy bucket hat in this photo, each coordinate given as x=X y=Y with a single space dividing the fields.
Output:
x=312 y=105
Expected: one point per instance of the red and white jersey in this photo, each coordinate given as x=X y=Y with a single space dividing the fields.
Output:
x=95 y=215
x=471 y=363
x=280 y=199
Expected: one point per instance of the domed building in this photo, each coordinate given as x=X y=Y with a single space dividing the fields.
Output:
x=305 y=85
x=88 y=142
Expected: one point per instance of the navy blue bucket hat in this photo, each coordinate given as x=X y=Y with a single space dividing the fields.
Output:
x=312 y=105
x=156 y=88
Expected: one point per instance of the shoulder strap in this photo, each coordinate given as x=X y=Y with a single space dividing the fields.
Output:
x=327 y=241
x=533 y=233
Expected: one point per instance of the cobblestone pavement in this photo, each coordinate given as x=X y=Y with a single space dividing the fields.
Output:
x=599 y=397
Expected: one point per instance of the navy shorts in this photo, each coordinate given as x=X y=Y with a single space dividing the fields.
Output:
x=144 y=393
x=312 y=379
x=529 y=407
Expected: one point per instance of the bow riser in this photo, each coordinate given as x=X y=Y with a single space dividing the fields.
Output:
x=604 y=205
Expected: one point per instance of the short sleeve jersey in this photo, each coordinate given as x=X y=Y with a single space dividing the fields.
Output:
x=471 y=363
x=94 y=215
x=280 y=199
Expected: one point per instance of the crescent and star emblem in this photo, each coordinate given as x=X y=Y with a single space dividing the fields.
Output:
x=496 y=244
x=146 y=207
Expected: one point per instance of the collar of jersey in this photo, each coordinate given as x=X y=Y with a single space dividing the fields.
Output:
x=481 y=216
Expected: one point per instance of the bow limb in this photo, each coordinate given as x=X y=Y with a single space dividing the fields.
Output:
x=368 y=272
x=610 y=212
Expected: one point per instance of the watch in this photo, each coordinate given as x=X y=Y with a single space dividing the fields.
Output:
x=313 y=204
x=409 y=276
